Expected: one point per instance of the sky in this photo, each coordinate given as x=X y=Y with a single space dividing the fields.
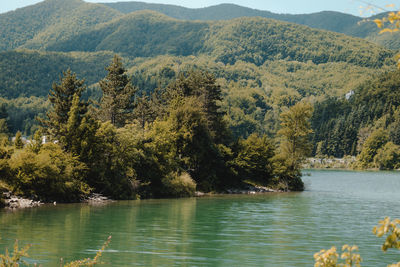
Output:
x=355 y=7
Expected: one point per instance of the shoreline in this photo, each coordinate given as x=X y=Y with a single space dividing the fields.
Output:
x=13 y=202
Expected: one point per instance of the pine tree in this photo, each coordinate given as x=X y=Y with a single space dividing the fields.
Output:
x=18 y=141
x=4 y=129
x=203 y=85
x=116 y=103
x=61 y=97
x=74 y=119
x=147 y=109
x=36 y=144
x=80 y=133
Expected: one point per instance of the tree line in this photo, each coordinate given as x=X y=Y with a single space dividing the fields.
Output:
x=170 y=142
x=366 y=125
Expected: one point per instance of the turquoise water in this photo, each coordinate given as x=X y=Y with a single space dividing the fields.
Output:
x=283 y=229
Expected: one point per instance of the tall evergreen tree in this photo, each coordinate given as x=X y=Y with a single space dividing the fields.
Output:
x=143 y=110
x=116 y=103
x=18 y=141
x=203 y=85
x=61 y=97
x=4 y=128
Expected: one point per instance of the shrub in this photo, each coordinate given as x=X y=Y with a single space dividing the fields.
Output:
x=388 y=157
x=179 y=185
x=50 y=175
x=371 y=146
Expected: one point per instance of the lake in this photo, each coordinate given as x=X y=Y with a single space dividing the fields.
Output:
x=283 y=229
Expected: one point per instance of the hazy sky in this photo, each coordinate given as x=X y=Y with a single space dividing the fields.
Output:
x=278 y=6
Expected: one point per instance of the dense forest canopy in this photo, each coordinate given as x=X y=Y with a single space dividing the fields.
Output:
x=325 y=20
x=262 y=64
x=168 y=143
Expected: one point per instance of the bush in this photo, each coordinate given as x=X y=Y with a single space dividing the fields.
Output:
x=388 y=157
x=371 y=146
x=50 y=175
x=254 y=159
x=179 y=185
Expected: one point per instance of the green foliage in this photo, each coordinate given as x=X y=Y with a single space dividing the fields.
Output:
x=343 y=125
x=202 y=86
x=26 y=73
x=18 y=144
x=116 y=103
x=294 y=145
x=178 y=135
x=109 y=169
x=254 y=159
x=371 y=148
x=388 y=157
x=50 y=175
x=184 y=141
x=295 y=131
x=246 y=109
x=61 y=97
x=22 y=113
x=257 y=40
x=143 y=34
x=36 y=143
x=4 y=128
x=327 y=20
x=238 y=53
x=179 y=185
x=332 y=21
x=41 y=25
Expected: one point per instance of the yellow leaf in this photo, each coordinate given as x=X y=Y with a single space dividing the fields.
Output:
x=386 y=30
x=378 y=23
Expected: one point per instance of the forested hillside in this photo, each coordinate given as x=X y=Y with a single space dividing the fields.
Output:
x=343 y=126
x=40 y=25
x=262 y=65
x=243 y=41
x=332 y=21
x=51 y=22
x=31 y=73
x=326 y=20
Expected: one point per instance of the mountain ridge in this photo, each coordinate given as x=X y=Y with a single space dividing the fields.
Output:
x=326 y=20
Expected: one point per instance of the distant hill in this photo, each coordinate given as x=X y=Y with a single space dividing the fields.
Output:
x=264 y=62
x=254 y=40
x=38 y=26
x=45 y=25
x=326 y=20
x=67 y=35
x=32 y=73
x=140 y=34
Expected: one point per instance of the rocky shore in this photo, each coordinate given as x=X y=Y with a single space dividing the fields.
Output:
x=253 y=189
x=15 y=202
x=97 y=199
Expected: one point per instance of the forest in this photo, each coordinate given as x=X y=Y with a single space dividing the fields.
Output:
x=183 y=97
x=132 y=144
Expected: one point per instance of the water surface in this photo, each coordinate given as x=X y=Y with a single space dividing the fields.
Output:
x=283 y=229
